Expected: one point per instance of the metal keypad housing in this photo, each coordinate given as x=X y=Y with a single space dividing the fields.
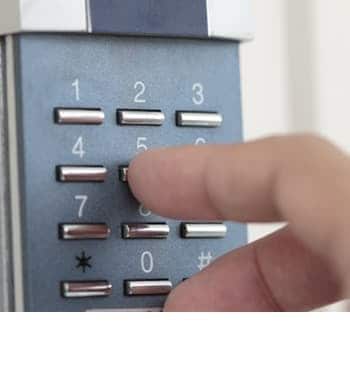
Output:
x=112 y=74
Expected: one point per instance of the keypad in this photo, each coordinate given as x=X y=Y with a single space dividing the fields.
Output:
x=131 y=231
x=87 y=239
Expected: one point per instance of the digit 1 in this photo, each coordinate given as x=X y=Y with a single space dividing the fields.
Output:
x=76 y=86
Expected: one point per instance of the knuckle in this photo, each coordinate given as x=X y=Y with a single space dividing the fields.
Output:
x=311 y=142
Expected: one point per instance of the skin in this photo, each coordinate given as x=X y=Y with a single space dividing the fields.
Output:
x=301 y=180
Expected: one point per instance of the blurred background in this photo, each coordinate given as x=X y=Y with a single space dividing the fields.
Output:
x=296 y=73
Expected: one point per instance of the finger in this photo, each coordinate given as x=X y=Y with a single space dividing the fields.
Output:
x=300 y=179
x=274 y=274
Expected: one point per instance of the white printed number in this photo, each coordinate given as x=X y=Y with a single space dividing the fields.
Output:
x=198 y=94
x=147 y=262
x=144 y=212
x=82 y=199
x=200 y=141
x=78 y=148
x=76 y=86
x=141 y=144
x=140 y=88
x=205 y=259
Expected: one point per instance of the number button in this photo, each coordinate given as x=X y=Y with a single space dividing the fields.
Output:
x=80 y=174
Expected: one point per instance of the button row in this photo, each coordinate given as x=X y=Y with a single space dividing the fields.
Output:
x=87 y=174
x=92 y=174
x=89 y=289
x=86 y=231
x=95 y=116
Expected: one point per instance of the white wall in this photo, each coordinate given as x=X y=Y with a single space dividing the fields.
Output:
x=296 y=74
x=332 y=69
x=265 y=80
x=265 y=72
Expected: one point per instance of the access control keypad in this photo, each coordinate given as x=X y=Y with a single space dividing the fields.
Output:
x=87 y=105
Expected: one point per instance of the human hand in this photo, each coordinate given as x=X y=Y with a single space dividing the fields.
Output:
x=302 y=180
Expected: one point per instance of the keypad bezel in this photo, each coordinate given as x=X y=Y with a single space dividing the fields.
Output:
x=178 y=75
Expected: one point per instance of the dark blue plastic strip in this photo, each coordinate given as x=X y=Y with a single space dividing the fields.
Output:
x=150 y=17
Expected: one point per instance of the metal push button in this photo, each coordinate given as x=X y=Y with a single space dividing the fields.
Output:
x=144 y=288
x=123 y=173
x=76 y=174
x=203 y=230
x=145 y=231
x=86 y=289
x=140 y=117
x=90 y=116
x=84 y=231
x=199 y=119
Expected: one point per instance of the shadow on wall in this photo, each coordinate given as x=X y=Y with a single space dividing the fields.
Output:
x=301 y=51
x=304 y=86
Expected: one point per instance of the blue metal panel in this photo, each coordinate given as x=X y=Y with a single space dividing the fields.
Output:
x=108 y=68
x=150 y=17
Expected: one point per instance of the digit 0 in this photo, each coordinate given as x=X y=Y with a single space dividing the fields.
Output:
x=147 y=263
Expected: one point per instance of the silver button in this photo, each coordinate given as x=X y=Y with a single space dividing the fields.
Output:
x=140 y=118
x=86 y=289
x=203 y=230
x=123 y=173
x=143 y=288
x=81 y=173
x=84 y=231
x=145 y=231
x=79 y=116
x=199 y=119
